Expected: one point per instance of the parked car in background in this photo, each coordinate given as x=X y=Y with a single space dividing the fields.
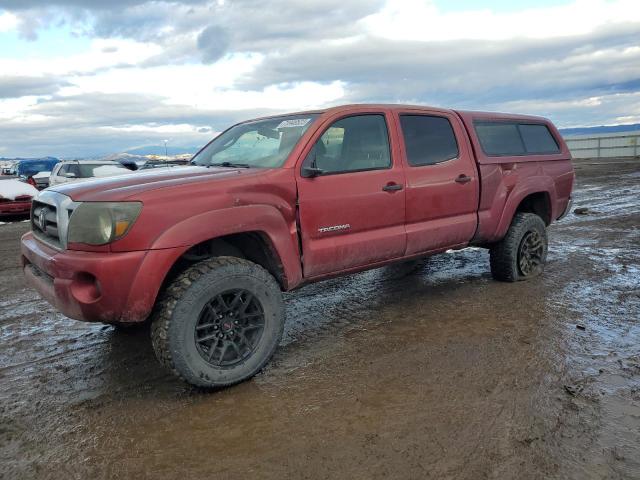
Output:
x=39 y=180
x=33 y=171
x=15 y=197
x=82 y=170
x=132 y=163
x=164 y=164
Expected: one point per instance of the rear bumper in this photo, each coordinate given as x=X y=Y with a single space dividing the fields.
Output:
x=567 y=209
x=15 y=208
x=97 y=286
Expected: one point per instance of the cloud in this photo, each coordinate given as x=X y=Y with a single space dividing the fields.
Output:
x=213 y=42
x=8 y=22
x=82 y=4
x=189 y=68
x=99 y=124
x=20 y=86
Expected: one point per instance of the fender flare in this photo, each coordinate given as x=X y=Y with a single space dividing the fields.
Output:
x=264 y=219
x=529 y=186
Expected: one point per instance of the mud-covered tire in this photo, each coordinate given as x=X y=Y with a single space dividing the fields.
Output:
x=506 y=256
x=177 y=321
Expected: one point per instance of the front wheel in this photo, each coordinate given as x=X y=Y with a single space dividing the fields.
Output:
x=219 y=322
x=522 y=253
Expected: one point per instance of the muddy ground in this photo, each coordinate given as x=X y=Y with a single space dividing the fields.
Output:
x=441 y=373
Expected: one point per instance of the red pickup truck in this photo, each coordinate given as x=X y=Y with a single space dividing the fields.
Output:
x=271 y=204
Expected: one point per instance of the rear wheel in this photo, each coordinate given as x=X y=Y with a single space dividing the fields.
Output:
x=219 y=322
x=522 y=253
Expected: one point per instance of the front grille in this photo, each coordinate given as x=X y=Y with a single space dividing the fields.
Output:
x=44 y=222
x=50 y=214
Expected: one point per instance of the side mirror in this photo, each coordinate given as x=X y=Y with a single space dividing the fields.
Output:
x=310 y=168
x=311 y=172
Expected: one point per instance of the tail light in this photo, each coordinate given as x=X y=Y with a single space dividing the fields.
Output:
x=32 y=182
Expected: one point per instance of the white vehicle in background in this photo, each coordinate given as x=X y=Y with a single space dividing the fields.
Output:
x=82 y=170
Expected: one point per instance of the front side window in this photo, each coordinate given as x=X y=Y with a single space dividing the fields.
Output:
x=428 y=139
x=260 y=143
x=73 y=171
x=353 y=144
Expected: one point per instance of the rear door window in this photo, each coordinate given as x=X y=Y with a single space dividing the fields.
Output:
x=428 y=139
x=511 y=138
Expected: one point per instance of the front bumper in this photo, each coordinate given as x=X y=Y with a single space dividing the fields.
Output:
x=15 y=208
x=97 y=286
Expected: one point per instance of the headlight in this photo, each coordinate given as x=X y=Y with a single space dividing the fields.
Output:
x=99 y=223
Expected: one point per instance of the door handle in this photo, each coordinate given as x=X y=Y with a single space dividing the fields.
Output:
x=392 y=187
x=462 y=178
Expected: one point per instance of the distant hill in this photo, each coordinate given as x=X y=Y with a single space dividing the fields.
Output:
x=159 y=150
x=116 y=157
x=601 y=129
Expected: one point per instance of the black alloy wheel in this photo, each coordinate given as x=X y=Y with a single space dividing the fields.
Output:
x=229 y=328
x=531 y=253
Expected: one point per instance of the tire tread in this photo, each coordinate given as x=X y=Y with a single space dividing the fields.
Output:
x=168 y=299
x=503 y=255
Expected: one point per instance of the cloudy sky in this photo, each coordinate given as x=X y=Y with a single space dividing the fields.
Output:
x=92 y=77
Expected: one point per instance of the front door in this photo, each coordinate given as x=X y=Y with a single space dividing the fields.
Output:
x=352 y=211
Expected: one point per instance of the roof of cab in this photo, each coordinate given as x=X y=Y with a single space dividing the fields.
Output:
x=466 y=114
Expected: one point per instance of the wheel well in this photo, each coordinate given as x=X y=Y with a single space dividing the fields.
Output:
x=538 y=203
x=254 y=246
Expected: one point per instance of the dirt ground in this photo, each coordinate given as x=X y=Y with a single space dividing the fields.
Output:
x=438 y=373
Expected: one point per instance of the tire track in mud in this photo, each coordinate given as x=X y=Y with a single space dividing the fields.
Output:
x=436 y=370
x=603 y=363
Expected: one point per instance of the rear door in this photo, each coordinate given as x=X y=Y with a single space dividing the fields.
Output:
x=442 y=180
x=352 y=214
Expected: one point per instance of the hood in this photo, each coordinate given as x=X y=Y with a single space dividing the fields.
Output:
x=127 y=187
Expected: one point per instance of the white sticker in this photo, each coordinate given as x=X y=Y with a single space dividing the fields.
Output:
x=298 y=122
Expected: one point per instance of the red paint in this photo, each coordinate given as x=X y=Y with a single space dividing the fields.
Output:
x=20 y=206
x=186 y=206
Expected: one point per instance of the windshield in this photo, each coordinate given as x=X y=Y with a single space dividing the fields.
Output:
x=97 y=170
x=261 y=143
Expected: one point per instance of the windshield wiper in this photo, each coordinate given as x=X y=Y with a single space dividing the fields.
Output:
x=230 y=164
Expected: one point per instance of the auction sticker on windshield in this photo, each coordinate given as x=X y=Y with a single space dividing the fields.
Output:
x=296 y=122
